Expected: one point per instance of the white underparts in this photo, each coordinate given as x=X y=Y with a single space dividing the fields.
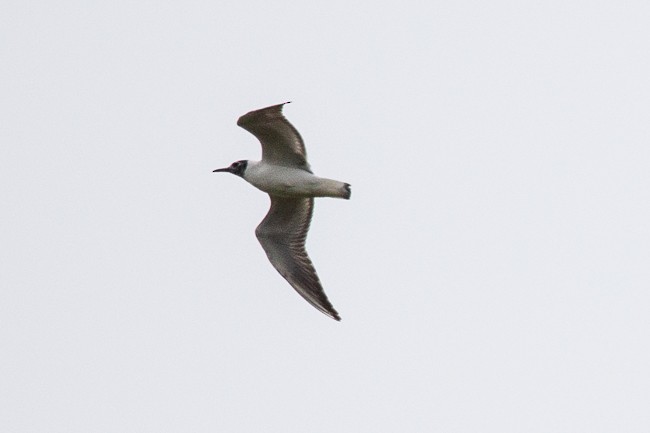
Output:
x=292 y=182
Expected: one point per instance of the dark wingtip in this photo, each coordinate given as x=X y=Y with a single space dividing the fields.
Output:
x=252 y=116
x=326 y=307
x=348 y=188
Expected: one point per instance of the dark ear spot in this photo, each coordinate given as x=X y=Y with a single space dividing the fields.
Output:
x=238 y=168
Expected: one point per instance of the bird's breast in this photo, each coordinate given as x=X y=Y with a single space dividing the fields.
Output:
x=288 y=182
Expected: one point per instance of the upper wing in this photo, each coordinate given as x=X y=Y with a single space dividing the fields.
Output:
x=282 y=234
x=281 y=142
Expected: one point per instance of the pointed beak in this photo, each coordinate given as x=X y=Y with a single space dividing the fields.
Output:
x=226 y=170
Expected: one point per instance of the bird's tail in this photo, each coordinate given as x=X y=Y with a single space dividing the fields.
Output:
x=331 y=188
x=348 y=191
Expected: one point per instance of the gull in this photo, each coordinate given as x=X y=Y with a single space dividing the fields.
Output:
x=285 y=175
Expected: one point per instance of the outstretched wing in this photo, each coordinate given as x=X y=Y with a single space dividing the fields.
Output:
x=281 y=142
x=282 y=234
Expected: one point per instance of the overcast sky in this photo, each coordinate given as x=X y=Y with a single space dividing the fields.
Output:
x=492 y=268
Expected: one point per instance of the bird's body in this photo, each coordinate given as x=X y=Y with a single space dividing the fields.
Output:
x=285 y=175
x=292 y=182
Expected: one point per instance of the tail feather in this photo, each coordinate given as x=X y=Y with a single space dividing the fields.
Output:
x=348 y=191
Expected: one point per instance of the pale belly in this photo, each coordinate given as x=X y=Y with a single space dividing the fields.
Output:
x=291 y=182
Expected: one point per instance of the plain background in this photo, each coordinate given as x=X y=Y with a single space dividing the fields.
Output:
x=492 y=267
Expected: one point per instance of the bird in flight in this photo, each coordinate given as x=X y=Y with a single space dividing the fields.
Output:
x=284 y=174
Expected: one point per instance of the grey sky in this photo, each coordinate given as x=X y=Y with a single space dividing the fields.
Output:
x=491 y=268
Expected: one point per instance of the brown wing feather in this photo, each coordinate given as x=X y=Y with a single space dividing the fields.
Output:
x=281 y=142
x=283 y=233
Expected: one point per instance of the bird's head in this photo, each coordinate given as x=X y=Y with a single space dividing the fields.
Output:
x=237 y=168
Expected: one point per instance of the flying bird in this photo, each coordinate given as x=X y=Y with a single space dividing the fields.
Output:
x=285 y=175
